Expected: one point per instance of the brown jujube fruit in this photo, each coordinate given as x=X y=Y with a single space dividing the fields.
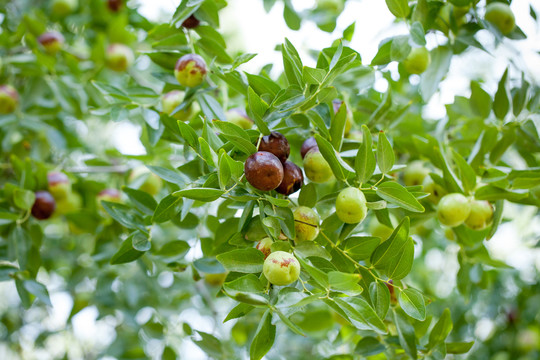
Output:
x=191 y=22
x=308 y=145
x=44 y=205
x=263 y=171
x=114 y=5
x=277 y=144
x=293 y=179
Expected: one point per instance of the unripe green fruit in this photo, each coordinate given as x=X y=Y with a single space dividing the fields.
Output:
x=453 y=209
x=500 y=15
x=62 y=8
x=436 y=191
x=119 y=57
x=238 y=117
x=442 y=21
x=264 y=246
x=308 y=144
x=332 y=6
x=481 y=215
x=71 y=203
x=417 y=61
x=190 y=70
x=281 y=268
x=351 y=205
x=52 y=41
x=215 y=279
x=9 y=99
x=316 y=167
x=59 y=185
x=415 y=173
x=306 y=224
x=171 y=101
x=379 y=230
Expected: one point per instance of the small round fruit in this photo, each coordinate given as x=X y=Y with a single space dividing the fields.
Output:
x=263 y=171
x=119 y=57
x=71 y=203
x=44 y=205
x=417 y=61
x=453 y=209
x=146 y=180
x=293 y=179
x=238 y=117
x=171 y=101
x=215 y=279
x=309 y=144
x=191 y=22
x=336 y=103
x=111 y=195
x=63 y=8
x=481 y=215
x=9 y=99
x=500 y=15
x=436 y=191
x=51 y=41
x=316 y=167
x=114 y=5
x=264 y=246
x=281 y=268
x=277 y=144
x=306 y=224
x=351 y=205
x=415 y=173
x=190 y=70
x=59 y=185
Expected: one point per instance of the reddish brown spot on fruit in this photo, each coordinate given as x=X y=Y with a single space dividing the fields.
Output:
x=44 y=205
x=191 y=22
x=111 y=193
x=50 y=38
x=114 y=5
x=263 y=171
x=198 y=61
x=293 y=179
x=309 y=144
x=277 y=144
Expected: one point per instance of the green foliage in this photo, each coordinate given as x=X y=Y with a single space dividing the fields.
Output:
x=358 y=295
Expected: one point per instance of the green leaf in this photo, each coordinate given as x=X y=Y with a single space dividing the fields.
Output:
x=313 y=76
x=238 y=136
x=211 y=107
x=413 y=303
x=437 y=70
x=380 y=298
x=123 y=215
x=501 y=103
x=385 y=154
x=126 y=253
x=398 y=8
x=142 y=200
x=361 y=314
x=257 y=108
x=39 y=290
x=308 y=195
x=167 y=208
x=442 y=328
x=171 y=176
x=418 y=34
x=406 y=334
x=344 y=282
x=396 y=194
x=349 y=32
x=200 y=194
x=369 y=346
x=497 y=218
x=364 y=163
x=339 y=167
x=188 y=134
x=238 y=311
x=360 y=247
x=466 y=173
x=7 y=270
x=23 y=199
x=392 y=247
x=337 y=127
x=264 y=337
x=459 y=347
x=249 y=260
x=480 y=100
x=401 y=264
x=290 y=16
x=292 y=64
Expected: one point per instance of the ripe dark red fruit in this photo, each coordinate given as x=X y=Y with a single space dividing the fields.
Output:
x=44 y=205
x=114 y=5
x=293 y=179
x=263 y=171
x=277 y=144
x=191 y=22
x=51 y=41
x=308 y=145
